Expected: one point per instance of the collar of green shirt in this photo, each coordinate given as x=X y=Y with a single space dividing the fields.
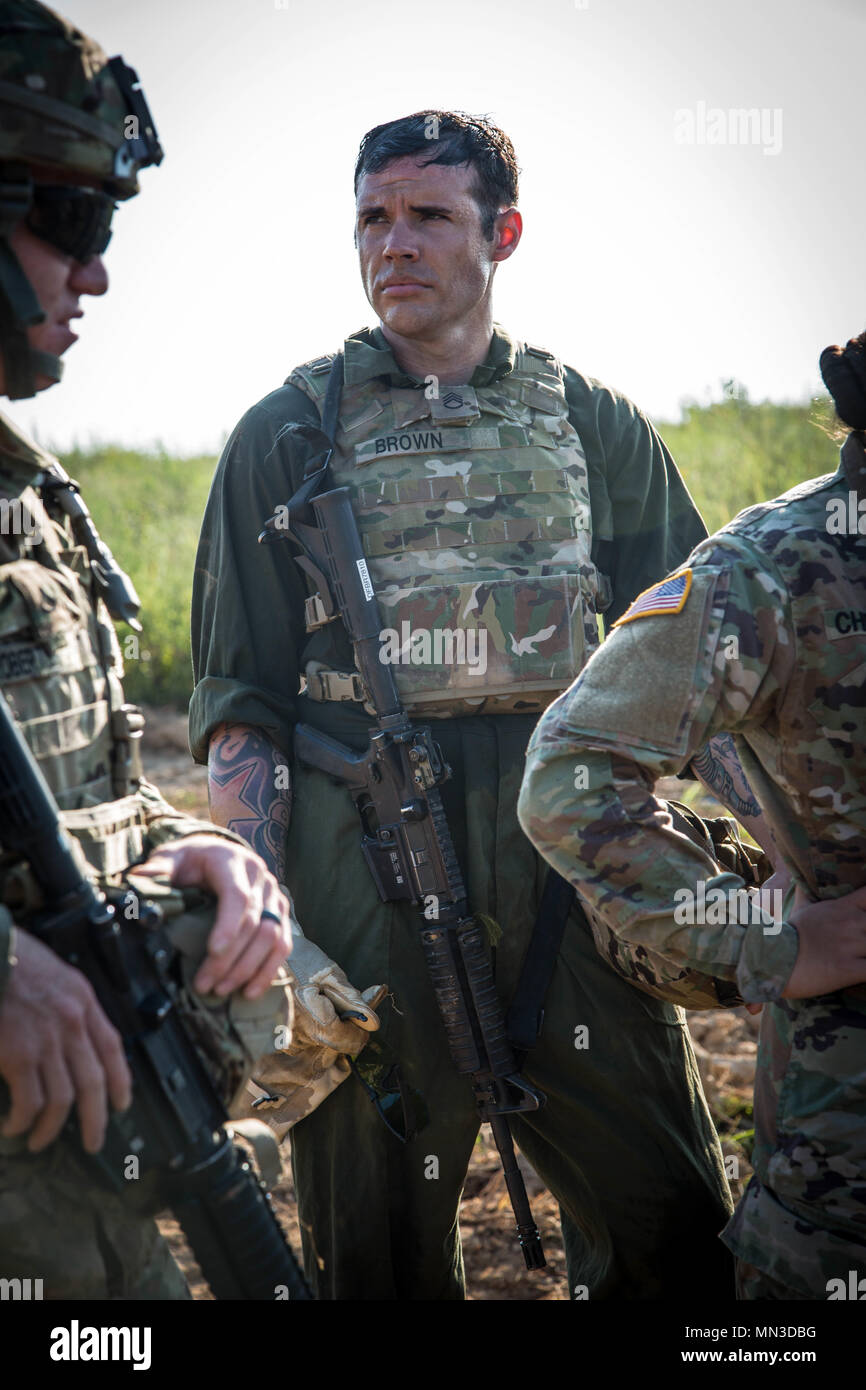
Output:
x=368 y=354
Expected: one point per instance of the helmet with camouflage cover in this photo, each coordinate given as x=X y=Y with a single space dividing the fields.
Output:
x=64 y=106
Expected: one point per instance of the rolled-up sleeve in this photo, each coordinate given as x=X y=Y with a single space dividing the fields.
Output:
x=248 y=599
x=164 y=824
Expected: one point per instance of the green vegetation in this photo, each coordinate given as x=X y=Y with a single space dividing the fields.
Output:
x=734 y=453
x=731 y=1111
x=148 y=507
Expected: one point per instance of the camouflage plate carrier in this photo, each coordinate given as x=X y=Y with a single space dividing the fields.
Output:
x=60 y=663
x=60 y=671
x=473 y=507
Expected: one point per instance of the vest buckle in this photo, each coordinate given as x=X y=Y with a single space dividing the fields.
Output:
x=316 y=614
x=323 y=685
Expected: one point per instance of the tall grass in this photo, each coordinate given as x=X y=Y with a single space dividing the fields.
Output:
x=148 y=507
x=733 y=453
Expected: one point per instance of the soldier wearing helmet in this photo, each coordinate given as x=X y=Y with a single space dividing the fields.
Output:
x=75 y=131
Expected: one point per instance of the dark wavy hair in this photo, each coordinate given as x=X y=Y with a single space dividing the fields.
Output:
x=844 y=373
x=458 y=139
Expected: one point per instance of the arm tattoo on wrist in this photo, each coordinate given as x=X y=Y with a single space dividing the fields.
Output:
x=250 y=787
x=717 y=765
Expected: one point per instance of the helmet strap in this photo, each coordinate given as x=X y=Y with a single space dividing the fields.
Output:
x=19 y=306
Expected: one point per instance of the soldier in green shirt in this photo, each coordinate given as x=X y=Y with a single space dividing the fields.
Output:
x=761 y=636
x=504 y=501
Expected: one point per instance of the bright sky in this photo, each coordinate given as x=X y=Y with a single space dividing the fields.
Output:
x=661 y=267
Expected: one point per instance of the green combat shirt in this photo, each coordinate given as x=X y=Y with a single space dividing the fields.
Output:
x=625 y=1141
x=762 y=635
x=248 y=600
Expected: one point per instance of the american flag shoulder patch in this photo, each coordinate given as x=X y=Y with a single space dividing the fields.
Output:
x=668 y=597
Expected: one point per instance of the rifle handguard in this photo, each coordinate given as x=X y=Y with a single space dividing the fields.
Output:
x=234 y=1233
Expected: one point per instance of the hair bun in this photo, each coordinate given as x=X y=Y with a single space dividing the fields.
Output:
x=844 y=374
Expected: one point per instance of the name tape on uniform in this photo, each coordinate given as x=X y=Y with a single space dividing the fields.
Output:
x=845 y=622
x=424 y=441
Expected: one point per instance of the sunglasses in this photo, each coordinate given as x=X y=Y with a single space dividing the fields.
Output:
x=77 y=221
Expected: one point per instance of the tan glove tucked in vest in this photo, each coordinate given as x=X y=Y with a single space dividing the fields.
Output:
x=290 y=1083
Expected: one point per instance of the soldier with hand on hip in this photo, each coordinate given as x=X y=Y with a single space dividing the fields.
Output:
x=761 y=638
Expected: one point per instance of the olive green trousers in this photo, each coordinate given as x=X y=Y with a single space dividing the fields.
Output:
x=624 y=1142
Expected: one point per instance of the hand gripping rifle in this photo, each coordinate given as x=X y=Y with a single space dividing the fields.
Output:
x=177 y=1120
x=406 y=840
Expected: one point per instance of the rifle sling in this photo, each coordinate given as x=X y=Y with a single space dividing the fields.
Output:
x=331 y=405
x=317 y=471
x=330 y=411
x=526 y=1015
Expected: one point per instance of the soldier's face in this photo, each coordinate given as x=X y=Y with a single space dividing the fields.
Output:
x=425 y=264
x=58 y=282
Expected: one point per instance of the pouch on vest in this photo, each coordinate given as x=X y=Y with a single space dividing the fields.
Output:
x=54 y=679
x=473 y=509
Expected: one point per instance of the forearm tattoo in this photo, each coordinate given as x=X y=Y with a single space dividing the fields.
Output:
x=250 y=791
x=719 y=767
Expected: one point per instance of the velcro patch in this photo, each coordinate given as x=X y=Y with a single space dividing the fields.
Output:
x=457 y=403
x=667 y=597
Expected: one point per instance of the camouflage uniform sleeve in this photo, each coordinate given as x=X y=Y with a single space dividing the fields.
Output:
x=644 y=520
x=657 y=689
x=5 y=946
x=248 y=599
x=164 y=824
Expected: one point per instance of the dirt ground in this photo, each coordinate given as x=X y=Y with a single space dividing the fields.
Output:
x=725 y=1045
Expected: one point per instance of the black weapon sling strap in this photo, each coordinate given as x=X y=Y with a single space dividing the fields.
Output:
x=526 y=1015
x=317 y=470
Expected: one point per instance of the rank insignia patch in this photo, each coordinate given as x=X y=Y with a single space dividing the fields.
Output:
x=668 y=597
